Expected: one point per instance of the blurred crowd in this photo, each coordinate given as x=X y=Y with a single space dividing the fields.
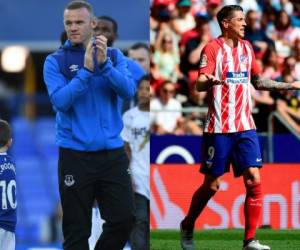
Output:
x=179 y=29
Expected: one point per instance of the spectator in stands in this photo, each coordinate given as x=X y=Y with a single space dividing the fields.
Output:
x=166 y=59
x=136 y=134
x=253 y=33
x=192 y=44
x=289 y=67
x=268 y=17
x=288 y=105
x=140 y=53
x=8 y=203
x=195 y=119
x=213 y=6
x=160 y=18
x=188 y=126
x=296 y=52
x=165 y=110
x=166 y=113
x=201 y=20
x=196 y=98
x=287 y=6
x=284 y=34
x=264 y=103
x=247 y=5
x=270 y=64
x=184 y=19
x=85 y=99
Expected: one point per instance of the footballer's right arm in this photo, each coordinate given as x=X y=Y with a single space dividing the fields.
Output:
x=206 y=81
x=207 y=66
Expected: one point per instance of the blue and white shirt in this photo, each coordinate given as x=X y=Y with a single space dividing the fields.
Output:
x=8 y=192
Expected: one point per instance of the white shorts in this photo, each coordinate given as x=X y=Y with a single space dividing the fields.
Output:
x=7 y=240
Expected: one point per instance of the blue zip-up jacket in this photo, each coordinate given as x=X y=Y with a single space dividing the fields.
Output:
x=88 y=117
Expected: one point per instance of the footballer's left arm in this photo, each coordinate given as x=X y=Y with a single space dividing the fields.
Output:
x=268 y=84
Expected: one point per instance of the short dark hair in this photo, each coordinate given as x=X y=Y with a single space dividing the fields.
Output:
x=250 y=12
x=110 y=19
x=145 y=78
x=5 y=133
x=140 y=45
x=278 y=24
x=226 y=12
x=77 y=4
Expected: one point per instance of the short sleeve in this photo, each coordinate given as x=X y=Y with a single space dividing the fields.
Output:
x=125 y=134
x=207 y=60
x=255 y=69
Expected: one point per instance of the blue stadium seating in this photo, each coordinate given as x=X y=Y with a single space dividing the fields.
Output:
x=35 y=154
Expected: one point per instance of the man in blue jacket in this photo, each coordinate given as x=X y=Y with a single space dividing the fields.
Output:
x=84 y=80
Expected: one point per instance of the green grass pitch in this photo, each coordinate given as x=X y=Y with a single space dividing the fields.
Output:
x=226 y=239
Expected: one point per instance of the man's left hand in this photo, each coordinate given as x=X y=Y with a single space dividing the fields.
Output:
x=101 y=44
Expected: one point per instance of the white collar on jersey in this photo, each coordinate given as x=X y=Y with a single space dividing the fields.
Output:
x=3 y=153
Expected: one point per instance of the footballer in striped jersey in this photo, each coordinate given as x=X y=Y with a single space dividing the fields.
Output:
x=227 y=68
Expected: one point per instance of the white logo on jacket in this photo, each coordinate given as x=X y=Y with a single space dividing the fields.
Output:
x=74 y=67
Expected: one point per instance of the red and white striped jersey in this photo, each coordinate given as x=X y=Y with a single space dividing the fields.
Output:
x=230 y=103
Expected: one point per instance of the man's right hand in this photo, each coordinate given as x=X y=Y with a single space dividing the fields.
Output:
x=213 y=80
x=88 y=56
x=206 y=81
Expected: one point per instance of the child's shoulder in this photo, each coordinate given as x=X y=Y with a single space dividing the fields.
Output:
x=131 y=112
x=6 y=158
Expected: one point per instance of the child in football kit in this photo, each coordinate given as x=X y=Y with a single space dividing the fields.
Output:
x=136 y=134
x=8 y=203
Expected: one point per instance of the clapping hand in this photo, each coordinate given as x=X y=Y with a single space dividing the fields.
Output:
x=88 y=57
x=100 y=44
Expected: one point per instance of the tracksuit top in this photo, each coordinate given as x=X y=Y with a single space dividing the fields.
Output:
x=87 y=104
